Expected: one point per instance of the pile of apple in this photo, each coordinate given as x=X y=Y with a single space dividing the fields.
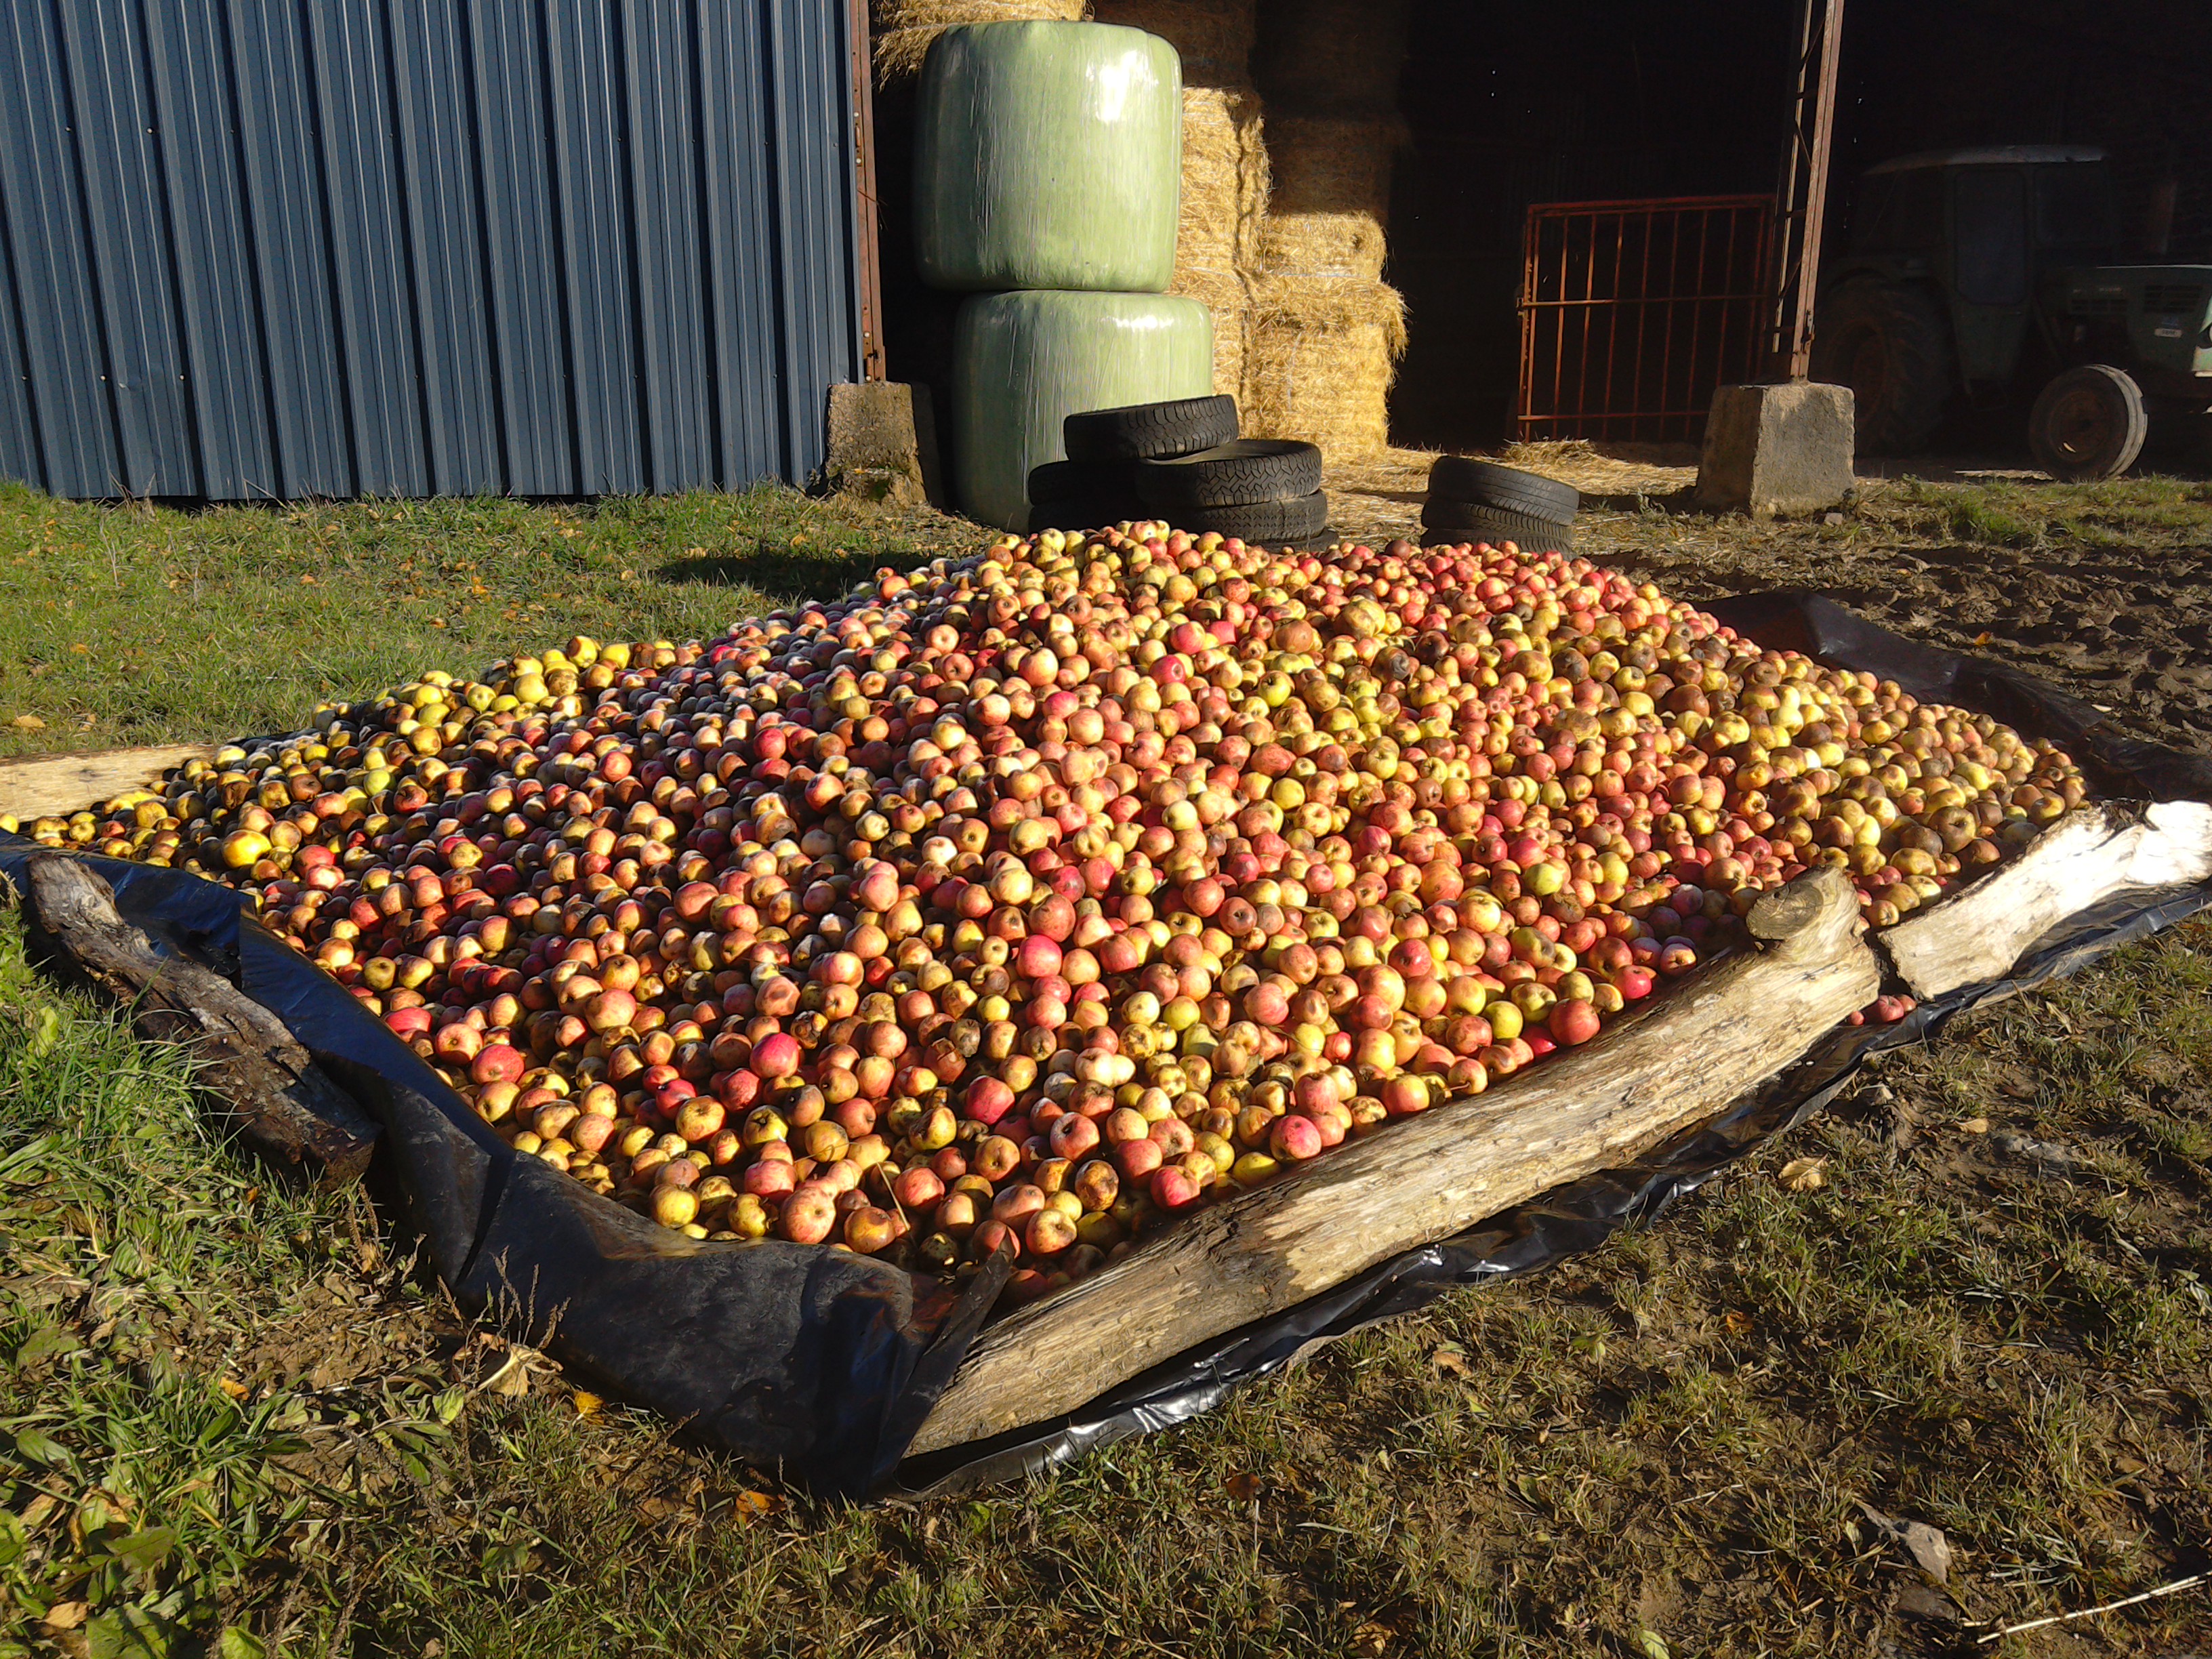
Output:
x=1029 y=901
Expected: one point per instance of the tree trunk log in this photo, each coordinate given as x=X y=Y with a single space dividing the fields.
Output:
x=2086 y=856
x=54 y=785
x=1427 y=1178
x=255 y=1080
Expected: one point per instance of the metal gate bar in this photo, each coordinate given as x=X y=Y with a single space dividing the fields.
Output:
x=1632 y=311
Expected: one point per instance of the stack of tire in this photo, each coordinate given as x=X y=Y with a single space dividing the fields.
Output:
x=1181 y=460
x=1472 y=501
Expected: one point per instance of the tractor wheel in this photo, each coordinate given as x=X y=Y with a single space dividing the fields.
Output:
x=1890 y=346
x=2088 y=424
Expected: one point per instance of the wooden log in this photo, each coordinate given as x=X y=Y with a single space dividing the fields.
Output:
x=2087 y=856
x=54 y=785
x=1427 y=1178
x=256 y=1080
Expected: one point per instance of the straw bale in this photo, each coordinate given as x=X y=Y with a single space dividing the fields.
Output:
x=1320 y=55
x=1329 y=195
x=1319 y=360
x=904 y=29
x=1227 y=296
x=1224 y=179
x=1214 y=37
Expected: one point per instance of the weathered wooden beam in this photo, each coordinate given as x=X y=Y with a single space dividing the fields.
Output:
x=2089 y=855
x=54 y=785
x=1427 y=1178
x=255 y=1079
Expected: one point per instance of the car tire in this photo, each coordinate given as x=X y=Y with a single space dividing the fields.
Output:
x=1485 y=484
x=1890 y=344
x=1137 y=432
x=2088 y=424
x=1267 y=524
x=1449 y=523
x=1246 y=472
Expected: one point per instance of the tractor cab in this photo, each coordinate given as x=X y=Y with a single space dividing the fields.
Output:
x=1993 y=272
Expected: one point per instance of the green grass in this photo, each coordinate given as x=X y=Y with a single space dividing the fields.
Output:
x=243 y=1421
x=126 y=625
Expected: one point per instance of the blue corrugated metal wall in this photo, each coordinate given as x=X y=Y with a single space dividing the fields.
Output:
x=256 y=248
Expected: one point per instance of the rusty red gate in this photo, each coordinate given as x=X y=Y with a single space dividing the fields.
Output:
x=1632 y=311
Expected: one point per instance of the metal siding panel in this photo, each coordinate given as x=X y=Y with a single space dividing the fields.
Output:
x=679 y=349
x=376 y=309
x=306 y=387
x=121 y=170
x=225 y=373
x=815 y=196
x=19 y=432
x=521 y=243
x=740 y=245
x=437 y=149
x=64 y=359
x=595 y=227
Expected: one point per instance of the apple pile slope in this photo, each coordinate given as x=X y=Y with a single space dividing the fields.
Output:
x=1033 y=900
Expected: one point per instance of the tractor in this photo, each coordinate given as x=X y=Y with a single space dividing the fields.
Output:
x=1990 y=273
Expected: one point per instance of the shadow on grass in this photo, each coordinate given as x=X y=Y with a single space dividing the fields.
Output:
x=780 y=570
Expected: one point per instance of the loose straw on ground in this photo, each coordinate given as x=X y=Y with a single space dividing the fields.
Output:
x=2173 y=1588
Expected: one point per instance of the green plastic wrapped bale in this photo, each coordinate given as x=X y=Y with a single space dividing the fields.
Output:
x=1022 y=363
x=1048 y=156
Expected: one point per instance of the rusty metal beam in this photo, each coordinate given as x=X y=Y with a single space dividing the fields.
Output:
x=1801 y=191
x=868 y=253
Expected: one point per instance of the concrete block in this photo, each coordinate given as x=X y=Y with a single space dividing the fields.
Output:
x=882 y=444
x=1772 y=449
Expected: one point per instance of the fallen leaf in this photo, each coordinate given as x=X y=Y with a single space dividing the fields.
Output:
x=1927 y=1545
x=29 y=723
x=66 y=1615
x=754 y=1502
x=1243 y=1486
x=514 y=1381
x=588 y=1404
x=81 y=648
x=1804 y=1175
x=1739 y=1324
x=1974 y=1126
x=233 y=1387
x=1450 y=1359
x=1371 y=1639
x=1652 y=1644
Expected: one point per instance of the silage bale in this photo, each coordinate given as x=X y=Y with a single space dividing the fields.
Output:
x=1023 y=362
x=1319 y=361
x=1048 y=156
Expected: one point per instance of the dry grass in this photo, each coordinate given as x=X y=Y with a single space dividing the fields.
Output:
x=904 y=29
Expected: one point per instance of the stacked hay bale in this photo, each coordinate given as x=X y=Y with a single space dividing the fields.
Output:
x=1326 y=331
x=902 y=29
x=1224 y=164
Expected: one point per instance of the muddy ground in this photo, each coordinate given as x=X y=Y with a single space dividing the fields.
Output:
x=2104 y=589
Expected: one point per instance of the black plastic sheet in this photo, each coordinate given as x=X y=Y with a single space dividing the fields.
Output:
x=824 y=1364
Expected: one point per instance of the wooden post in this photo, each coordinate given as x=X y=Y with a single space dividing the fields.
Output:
x=54 y=785
x=255 y=1080
x=2089 y=855
x=1709 y=1041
